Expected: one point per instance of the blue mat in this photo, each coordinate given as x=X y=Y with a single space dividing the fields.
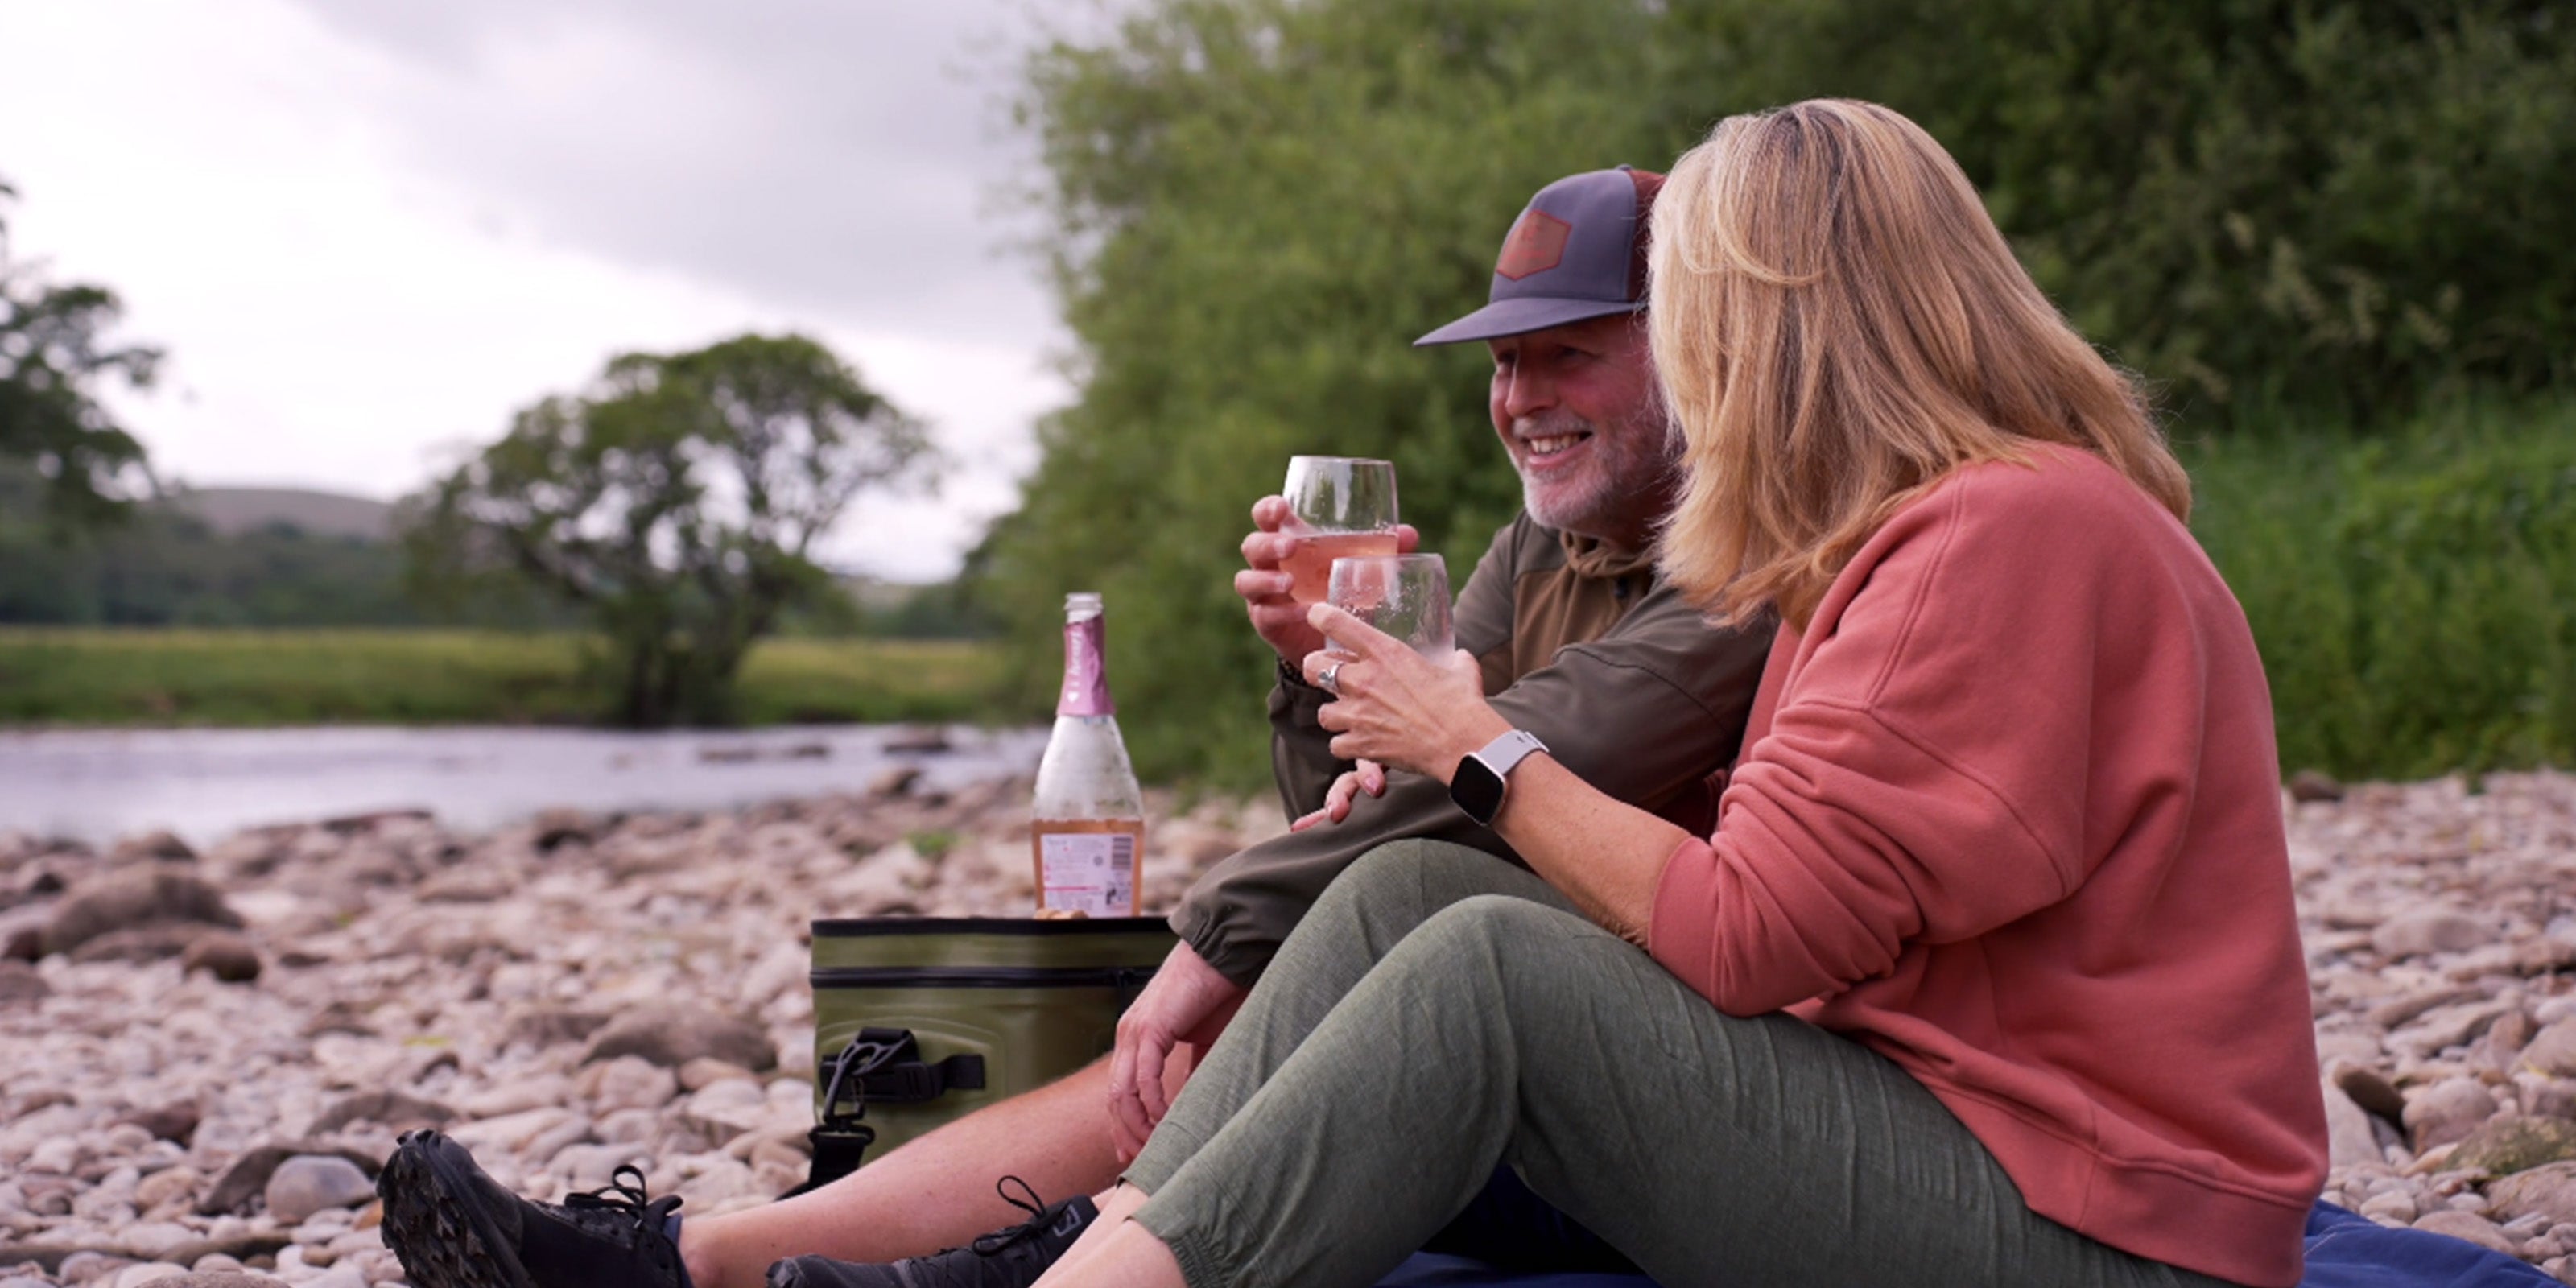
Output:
x=2344 y=1251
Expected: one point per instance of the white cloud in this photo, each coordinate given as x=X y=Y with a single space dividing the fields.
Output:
x=364 y=243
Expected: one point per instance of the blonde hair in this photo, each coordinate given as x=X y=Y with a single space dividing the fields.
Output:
x=1838 y=325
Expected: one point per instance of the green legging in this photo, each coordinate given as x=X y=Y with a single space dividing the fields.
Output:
x=1440 y=1013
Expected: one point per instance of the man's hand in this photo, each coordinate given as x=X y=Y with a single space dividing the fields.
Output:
x=1186 y=1001
x=1264 y=586
x=1368 y=776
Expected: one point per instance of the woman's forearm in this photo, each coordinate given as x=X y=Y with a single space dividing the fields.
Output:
x=1397 y=708
x=1602 y=853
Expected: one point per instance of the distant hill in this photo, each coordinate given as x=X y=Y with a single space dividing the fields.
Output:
x=232 y=511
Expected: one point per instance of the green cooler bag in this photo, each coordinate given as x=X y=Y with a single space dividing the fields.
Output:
x=920 y=1020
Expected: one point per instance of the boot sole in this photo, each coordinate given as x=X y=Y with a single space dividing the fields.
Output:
x=439 y=1233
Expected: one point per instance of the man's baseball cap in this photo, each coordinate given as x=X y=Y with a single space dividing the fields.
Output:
x=1578 y=251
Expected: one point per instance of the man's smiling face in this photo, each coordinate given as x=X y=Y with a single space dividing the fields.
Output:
x=1578 y=410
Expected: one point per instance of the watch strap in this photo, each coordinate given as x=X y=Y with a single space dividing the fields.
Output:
x=1507 y=751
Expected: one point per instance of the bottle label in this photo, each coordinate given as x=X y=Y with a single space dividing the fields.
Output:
x=1093 y=873
x=1086 y=674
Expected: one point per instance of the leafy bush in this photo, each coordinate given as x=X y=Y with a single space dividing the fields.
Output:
x=2414 y=594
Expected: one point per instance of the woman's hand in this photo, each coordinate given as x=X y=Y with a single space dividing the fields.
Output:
x=1368 y=776
x=1393 y=706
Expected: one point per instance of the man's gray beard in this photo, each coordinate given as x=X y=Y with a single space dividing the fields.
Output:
x=1577 y=514
x=1605 y=507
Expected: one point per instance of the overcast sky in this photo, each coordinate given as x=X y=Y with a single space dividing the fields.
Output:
x=367 y=230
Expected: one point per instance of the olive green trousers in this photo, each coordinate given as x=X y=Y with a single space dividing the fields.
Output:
x=1441 y=1013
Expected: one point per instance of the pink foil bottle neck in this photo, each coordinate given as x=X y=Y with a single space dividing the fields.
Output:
x=1086 y=670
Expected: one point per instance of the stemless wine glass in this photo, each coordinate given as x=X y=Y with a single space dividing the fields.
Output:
x=1406 y=596
x=1338 y=506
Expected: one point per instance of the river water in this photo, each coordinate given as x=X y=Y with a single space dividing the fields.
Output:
x=98 y=784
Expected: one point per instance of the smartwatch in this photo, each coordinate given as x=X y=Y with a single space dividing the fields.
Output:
x=1477 y=786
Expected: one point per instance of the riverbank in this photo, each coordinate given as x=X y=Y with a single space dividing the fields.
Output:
x=387 y=972
x=117 y=677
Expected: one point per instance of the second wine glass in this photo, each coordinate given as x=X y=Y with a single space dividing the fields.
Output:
x=1406 y=596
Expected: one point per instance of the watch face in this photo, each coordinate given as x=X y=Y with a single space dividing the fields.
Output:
x=1477 y=789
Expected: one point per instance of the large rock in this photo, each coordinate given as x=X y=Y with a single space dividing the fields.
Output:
x=514 y=1133
x=2309 y=785
x=673 y=1034
x=250 y=1172
x=310 y=1183
x=159 y=941
x=224 y=955
x=2447 y=1111
x=394 y=1110
x=2548 y=1190
x=168 y=1185
x=469 y=884
x=2427 y=930
x=629 y=1082
x=131 y=898
x=2445 y=1027
x=2369 y=1088
x=175 y=1121
x=2548 y=1097
x=153 y=847
x=550 y=1026
x=556 y=828
x=2552 y=1051
x=20 y=985
x=2508 y=1145
x=2349 y=1139
x=2405 y=1008
x=2470 y=1226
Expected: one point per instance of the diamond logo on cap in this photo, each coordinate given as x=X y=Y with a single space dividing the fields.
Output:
x=1536 y=245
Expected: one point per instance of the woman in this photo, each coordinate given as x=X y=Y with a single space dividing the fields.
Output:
x=1989 y=974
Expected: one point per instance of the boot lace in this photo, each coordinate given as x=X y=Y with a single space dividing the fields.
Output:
x=620 y=1207
x=998 y=1241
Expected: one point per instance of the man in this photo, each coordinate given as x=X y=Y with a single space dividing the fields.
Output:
x=1579 y=645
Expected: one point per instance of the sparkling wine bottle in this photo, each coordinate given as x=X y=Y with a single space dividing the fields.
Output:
x=1087 y=828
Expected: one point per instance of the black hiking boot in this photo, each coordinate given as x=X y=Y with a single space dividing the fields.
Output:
x=454 y=1227
x=1012 y=1257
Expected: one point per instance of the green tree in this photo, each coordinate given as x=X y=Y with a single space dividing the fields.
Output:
x=676 y=503
x=54 y=354
x=1257 y=206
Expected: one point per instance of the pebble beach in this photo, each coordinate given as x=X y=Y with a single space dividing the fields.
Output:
x=206 y=1053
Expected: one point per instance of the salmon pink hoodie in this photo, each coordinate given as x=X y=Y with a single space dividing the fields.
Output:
x=2009 y=814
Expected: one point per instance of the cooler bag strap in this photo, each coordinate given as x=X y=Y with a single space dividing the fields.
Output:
x=887 y=1069
x=885 y=1066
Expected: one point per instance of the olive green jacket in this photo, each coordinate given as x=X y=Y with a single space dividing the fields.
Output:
x=1626 y=684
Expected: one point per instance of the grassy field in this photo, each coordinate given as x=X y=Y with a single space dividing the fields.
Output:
x=152 y=677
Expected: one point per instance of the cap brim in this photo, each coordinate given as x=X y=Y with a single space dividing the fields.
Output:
x=1521 y=316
